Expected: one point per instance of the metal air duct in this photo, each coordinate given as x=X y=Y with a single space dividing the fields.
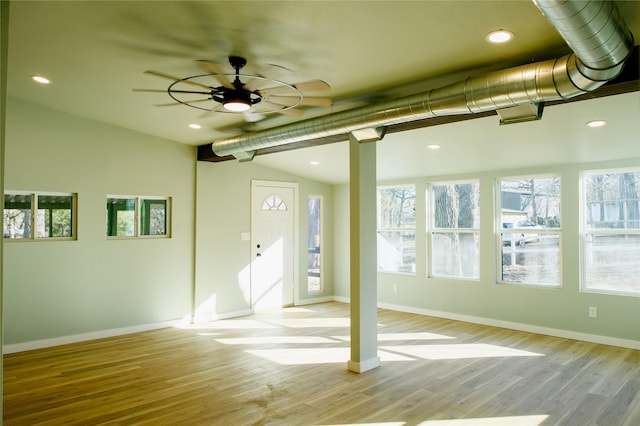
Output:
x=594 y=30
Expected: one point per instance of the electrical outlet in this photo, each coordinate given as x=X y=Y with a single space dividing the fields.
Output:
x=395 y=288
x=593 y=312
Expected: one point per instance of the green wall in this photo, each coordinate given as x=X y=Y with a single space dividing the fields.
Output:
x=65 y=288
x=57 y=289
x=223 y=214
x=526 y=307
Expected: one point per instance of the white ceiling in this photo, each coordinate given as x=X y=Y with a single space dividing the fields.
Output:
x=95 y=53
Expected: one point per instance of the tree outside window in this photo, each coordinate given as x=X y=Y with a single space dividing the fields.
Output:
x=610 y=232
x=455 y=234
x=397 y=229
x=137 y=216
x=43 y=216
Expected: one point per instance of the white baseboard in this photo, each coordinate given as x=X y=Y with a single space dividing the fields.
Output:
x=210 y=317
x=83 y=337
x=75 y=338
x=555 y=332
x=233 y=314
x=315 y=300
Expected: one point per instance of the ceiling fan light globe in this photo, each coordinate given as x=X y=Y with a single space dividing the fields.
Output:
x=236 y=106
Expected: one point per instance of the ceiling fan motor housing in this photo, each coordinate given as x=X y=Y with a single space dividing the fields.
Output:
x=237 y=62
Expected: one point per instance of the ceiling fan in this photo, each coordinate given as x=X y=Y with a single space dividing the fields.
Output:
x=254 y=97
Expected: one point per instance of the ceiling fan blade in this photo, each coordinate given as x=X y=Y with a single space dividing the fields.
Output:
x=252 y=117
x=295 y=100
x=312 y=86
x=171 y=77
x=254 y=82
x=290 y=112
x=309 y=86
x=182 y=103
x=216 y=108
x=277 y=90
x=214 y=68
x=311 y=101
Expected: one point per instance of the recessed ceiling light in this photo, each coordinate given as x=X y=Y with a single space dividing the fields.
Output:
x=596 y=123
x=499 y=36
x=40 y=79
x=195 y=126
x=433 y=146
x=314 y=163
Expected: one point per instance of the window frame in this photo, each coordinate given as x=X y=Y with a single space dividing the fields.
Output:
x=584 y=232
x=432 y=229
x=34 y=200
x=380 y=229
x=138 y=228
x=320 y=244
x=499 y=230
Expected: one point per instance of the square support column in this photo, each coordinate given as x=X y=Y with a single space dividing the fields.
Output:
x=363 y=255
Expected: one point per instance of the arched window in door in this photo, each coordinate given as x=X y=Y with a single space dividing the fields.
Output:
x=274 y=203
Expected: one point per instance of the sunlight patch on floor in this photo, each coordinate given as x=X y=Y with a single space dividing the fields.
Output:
x=303 y=356
x=395 y=337
x=370 y=424
x=296 y=309
x=458 y=351
x=312 y=322
x=266 y=340
x=534 y=420
x=229 y=325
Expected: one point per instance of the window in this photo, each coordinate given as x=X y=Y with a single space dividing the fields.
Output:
x=39 y=215
x=314 y=252
x=454 y=229
x=121 y=221
x=137 y=216
x=274 y=203
x=153 y=217
x=397 y=229
x=529 y=230
x=610 y=232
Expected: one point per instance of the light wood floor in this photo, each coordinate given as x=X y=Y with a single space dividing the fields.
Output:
x=290 y=368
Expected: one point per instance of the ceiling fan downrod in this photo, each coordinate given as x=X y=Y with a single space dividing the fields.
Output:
x=240 y=99
x=237 y=62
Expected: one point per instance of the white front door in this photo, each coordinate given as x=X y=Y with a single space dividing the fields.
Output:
x=273 y=236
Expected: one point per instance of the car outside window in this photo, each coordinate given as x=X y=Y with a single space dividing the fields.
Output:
x=529 y=230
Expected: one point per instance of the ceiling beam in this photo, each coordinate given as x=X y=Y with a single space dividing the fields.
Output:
x=628 y=81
